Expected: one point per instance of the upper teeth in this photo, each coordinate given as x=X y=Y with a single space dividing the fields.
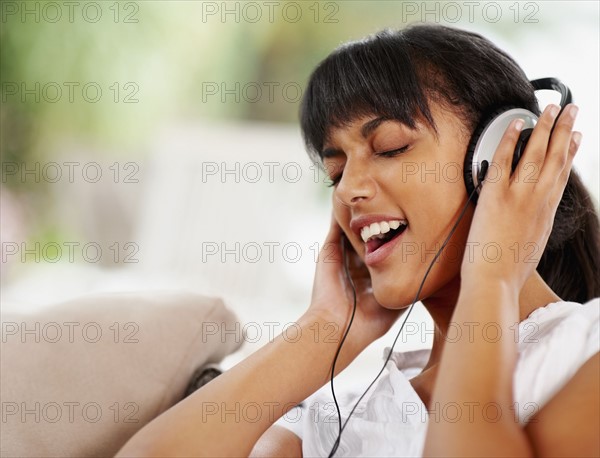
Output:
x=376 y=230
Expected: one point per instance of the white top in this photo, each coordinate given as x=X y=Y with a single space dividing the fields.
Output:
x=553 y=343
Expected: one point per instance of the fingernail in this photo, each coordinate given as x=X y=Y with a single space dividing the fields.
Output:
x=577 y=136
x=519 y=123
x=553 y=110
x=573 y=110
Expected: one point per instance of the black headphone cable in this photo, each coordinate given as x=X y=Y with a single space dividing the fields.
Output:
x=482 y=173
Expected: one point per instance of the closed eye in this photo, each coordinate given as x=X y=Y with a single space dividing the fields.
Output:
x=391 y=153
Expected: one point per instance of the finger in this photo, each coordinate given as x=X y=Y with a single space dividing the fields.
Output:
x=500 y=167
x=562 y=179
x=331 y=251
x=533 y=158
x=559 y=148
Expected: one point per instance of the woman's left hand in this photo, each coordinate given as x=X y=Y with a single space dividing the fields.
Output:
x=514 y=215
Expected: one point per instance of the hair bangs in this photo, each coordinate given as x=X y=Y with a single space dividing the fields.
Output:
x=355 y=81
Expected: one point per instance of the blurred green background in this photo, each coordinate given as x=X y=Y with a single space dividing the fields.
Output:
x=162 y=113
x=155 y=60
x=171 y=48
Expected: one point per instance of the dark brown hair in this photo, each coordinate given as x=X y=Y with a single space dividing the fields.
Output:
x=395 y=73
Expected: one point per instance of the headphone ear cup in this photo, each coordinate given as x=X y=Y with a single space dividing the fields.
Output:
x=485 y=140
x=469 y=172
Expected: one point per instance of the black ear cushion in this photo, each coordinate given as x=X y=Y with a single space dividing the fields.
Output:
x=520 y=148
x=468 y=165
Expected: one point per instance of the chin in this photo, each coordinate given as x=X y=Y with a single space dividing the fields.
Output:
x=392 y=297
x=397 y=291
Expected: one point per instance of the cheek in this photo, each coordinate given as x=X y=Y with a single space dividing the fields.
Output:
x=432 y=196
x=437 y=207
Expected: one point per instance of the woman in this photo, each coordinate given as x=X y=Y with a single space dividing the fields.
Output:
x=371 y=108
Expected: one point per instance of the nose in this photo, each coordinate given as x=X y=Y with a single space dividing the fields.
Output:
x=356 y=185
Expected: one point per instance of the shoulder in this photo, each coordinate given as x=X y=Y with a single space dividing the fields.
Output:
x=561 y=332
x=554 y=342
x=565 y=332
x=569 y=422
x=557 y=379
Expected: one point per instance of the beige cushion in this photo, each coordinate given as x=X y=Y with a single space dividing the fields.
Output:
x=81 y=377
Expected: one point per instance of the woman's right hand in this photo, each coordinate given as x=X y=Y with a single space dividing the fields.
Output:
x=332 y=297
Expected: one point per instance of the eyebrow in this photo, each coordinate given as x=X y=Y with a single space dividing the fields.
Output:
x=371 y=125
x=365 y=131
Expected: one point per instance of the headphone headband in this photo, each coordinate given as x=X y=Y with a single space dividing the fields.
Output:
x=553 y=84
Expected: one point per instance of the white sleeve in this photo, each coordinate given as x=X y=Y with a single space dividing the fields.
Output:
x=592 y=310
x=554 y=342
x=293 y=419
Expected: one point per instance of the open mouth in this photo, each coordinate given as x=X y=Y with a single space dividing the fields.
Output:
x=375 y=242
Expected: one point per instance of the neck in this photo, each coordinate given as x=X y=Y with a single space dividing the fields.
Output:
x=535 y=294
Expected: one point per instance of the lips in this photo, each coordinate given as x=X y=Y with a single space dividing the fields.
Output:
x=380 y=232
x=374 y=244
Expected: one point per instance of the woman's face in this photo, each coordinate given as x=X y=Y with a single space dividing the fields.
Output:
x=389 y=173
